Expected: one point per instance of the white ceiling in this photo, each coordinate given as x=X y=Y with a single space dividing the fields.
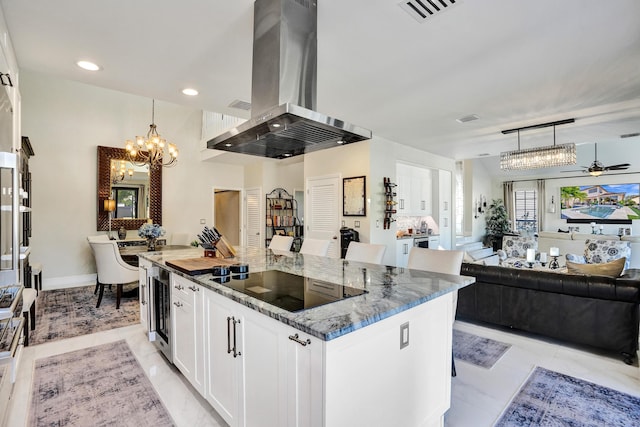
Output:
x=513 y=63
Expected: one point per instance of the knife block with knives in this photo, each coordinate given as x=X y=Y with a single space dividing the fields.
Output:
x=214 y=244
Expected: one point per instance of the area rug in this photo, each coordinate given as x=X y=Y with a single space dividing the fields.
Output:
x=549 y=398
x=479 y=351
x=97 y=386
x=66 y=313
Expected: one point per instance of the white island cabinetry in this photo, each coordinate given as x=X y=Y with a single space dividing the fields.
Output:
x=344 y=358
x=256 y=375
x=259 y=371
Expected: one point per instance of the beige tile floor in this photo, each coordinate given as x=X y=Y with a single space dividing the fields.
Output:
x=478 y=395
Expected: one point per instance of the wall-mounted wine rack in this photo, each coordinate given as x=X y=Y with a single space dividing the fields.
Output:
x=390 y=202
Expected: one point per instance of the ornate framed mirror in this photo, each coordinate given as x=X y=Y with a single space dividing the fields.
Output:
x=152 y=198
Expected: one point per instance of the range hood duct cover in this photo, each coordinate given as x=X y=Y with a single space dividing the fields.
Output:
x=283 y=121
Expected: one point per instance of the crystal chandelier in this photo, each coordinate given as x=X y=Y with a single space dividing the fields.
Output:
x=150 y=150
x=539 y=157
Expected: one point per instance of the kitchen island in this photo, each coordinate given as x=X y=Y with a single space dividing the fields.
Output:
x=375 y=348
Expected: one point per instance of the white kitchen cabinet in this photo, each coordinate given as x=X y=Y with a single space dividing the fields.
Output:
x=421 y=193
x=188 y=327
x=414 y=190
x=224 y=388
x=403 y=246
x=260 y=371
x=282 y=367
x=445 y=208
x=403 y=190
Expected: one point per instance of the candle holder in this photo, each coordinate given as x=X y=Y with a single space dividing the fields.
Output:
x=554 y=262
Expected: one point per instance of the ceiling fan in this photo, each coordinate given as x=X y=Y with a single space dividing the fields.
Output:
x=597 y=168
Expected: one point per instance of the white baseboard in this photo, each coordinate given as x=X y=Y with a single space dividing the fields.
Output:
x=69 y=282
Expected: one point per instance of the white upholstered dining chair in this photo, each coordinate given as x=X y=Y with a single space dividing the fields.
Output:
x=315 y=247
x=365 y=252
x=281 y=243
x=112 y=270
x=438 y=261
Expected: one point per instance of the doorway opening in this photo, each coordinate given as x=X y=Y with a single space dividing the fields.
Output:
x=226 y=210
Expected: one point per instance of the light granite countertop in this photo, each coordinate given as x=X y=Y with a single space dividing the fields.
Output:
x=390 y=290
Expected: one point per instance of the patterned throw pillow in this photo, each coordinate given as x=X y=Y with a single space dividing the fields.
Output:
x=516 y=246
x=598 y=251
x=576 y=259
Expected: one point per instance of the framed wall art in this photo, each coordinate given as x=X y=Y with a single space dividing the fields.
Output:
x=354 y=196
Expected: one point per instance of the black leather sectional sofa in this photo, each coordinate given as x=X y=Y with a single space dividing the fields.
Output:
x=597 y=311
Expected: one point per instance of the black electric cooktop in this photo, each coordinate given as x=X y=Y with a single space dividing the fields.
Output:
x=287 y=291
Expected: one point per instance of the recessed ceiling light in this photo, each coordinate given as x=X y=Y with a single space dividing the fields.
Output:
x=189 y=91
x=227 y=145
x=87 y=65
x=276 y=125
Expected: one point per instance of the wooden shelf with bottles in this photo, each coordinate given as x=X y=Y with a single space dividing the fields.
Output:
x=282 y=217
x=390 y=202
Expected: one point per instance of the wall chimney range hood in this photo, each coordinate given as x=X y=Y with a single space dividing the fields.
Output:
x=283 y=120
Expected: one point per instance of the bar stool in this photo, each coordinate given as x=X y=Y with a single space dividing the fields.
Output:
x=36 y=272
x=29 y=311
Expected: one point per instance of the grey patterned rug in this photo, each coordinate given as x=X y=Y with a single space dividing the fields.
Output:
x=549 y=398
x=66 y=313
x=97 y=386
x=479 y=351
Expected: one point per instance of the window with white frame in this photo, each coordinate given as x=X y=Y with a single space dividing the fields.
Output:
x=526 y=211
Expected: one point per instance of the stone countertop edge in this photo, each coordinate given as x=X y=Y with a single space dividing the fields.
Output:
x=404 y=289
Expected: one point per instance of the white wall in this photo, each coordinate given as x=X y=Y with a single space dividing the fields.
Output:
x=348 y=161
x=65 y=122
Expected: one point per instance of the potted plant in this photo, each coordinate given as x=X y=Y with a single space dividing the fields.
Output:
x=498 y=224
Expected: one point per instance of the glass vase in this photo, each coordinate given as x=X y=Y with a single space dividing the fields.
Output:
x=151 y=243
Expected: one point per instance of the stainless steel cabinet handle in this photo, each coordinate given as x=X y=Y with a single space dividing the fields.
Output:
x=236 y=353
x=401 y=203
x=178 y=287
x=423 y=205
x=297 y=339
x=143 y=293
x=405 y=249
x=177 y=304
x=229 y=335
x=194 y=288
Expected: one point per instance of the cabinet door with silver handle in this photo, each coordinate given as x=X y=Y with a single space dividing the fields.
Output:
x=194 y=288
x=297 y=339
x=177 y=304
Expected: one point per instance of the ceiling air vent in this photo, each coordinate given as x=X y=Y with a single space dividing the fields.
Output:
x=422 y=10
x=241 y=105
x=469 y=118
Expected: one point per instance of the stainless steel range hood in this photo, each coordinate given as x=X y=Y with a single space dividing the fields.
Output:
x=283 y=121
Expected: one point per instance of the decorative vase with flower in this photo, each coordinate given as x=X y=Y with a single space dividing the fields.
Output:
x=151 y=232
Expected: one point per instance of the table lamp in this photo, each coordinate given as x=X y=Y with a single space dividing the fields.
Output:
x=110 y=206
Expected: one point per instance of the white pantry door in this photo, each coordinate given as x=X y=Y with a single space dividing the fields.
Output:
x=253 y=223
x=323 y=210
